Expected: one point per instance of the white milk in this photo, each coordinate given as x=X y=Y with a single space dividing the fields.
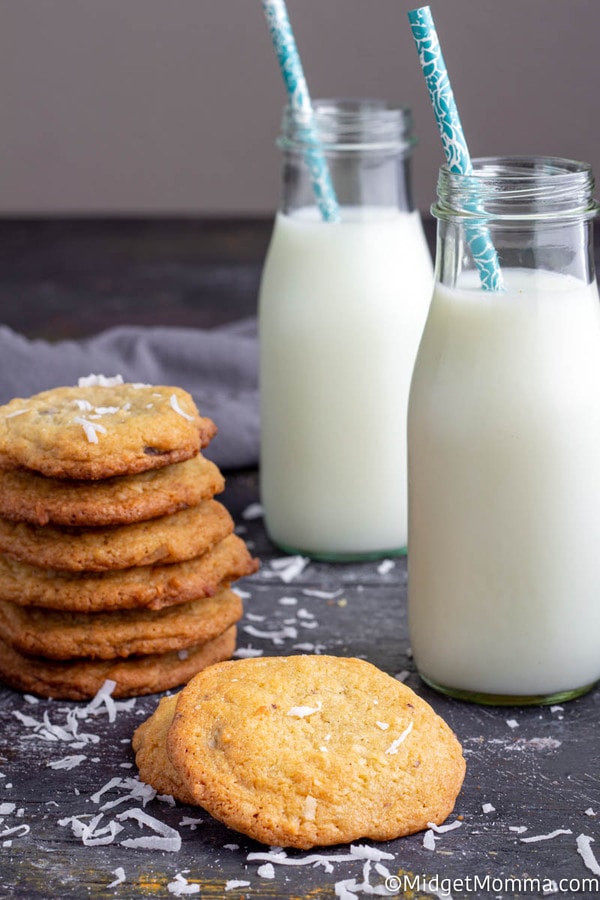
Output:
x=504 y=473
x=342 y=308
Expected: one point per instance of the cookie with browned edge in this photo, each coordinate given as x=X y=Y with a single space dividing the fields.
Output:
x=303 y=751
x=182 y=535
x=27 y=496
x=151 y=587
x=81 y=679
x=120 y=633
x=101 y=429
x=149 y=744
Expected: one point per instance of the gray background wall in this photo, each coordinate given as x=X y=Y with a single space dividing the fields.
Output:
x=172 y=106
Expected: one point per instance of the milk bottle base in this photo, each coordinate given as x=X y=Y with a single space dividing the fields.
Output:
x=508 y=699
x=335 y=557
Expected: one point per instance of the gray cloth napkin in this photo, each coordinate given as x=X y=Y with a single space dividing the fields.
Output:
x=219 y=367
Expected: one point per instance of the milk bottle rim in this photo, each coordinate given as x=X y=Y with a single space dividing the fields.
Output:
x=349 y=124
x=517 y=188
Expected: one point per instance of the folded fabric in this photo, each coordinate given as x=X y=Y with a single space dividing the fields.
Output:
x=219 y=367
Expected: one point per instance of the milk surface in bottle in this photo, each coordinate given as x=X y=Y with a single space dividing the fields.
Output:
x=342 y=308
x=504 y=452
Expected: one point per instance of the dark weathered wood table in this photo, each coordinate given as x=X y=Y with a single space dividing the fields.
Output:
x=74 y=820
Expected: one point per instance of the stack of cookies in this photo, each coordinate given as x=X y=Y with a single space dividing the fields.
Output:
x=115 y=559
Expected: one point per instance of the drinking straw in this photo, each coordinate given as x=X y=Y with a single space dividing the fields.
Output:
x=453 y=138
x=301 y=106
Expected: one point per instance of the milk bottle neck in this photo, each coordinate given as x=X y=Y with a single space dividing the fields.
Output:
x=537 y=212
x=367 y=147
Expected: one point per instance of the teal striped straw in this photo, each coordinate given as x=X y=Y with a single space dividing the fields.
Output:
x=301 y=106
x=453 y=138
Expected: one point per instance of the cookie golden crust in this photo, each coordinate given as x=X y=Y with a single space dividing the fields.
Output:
x=64 y=635
x=81 y=679
x=98 y=432
x=149 y=744
x=152 y=587
x=182 y=535
x=305 y=751
x=26 y=496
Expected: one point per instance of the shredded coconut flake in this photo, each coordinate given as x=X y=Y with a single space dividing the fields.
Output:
x=136 y=790
x=91 y=429
x=175 y=405
x=442 y=829
x=48 y=731
x=180 y=886
x=21 y=830
x=235 y=883
x=278 y=637
x=588 y=856
x=300 y=712
x=191 y=822
x=99 y=381
x=108 y=410
x=266 y=871
x=429 y=840
x=488 y=808
x=545 y=837
x=17 y=412
x=308 y=647
x=166 y=838
x=321 y=595
x=253 y=511
x=385 y=566
x=287 y=567
x=119 y=877
x=90 y=833
x=247 y=652
x=310 y=808
x=393 y=748
x=67 y=762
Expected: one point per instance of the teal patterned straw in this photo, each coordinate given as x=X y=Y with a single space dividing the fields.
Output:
x=453 y=139
x=295 y=84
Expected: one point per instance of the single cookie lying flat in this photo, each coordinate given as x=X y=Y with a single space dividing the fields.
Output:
x=149 y=744
x=64 y=635
x=98 y=431
x=152 y=587
x=81 y=679
x=313 y=750
x=26 y=496
x=182 y=535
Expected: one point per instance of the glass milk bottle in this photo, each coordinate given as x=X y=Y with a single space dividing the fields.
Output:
x=504 y=442
x=341 y=311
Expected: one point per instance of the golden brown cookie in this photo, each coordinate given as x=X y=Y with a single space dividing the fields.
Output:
x=153 y=587
x=26 y=496
x=66 y=635
x=98 y=431
x=149 y=744
x=304 y=751
x=182 y=535
x=81 y=679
